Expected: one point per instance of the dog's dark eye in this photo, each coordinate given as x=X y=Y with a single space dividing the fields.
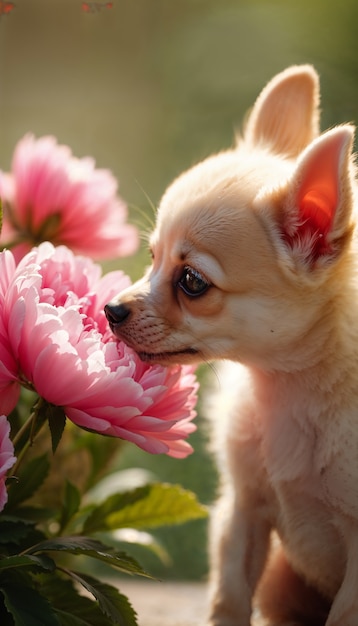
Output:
x=192 y=282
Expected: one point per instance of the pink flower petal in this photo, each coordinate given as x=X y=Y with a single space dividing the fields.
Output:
x=54 y=196
x=53 y=336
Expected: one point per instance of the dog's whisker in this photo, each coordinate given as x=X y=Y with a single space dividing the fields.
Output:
x=144 y=221
x=151 y=204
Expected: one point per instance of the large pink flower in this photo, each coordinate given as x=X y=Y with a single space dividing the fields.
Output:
x=7 y=458
x=51 y=195
x=54 y=338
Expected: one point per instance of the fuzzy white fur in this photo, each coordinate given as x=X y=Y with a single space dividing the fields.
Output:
x=255 y=261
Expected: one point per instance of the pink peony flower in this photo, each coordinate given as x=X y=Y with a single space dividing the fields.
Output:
x=54 y=338
x=51 y=195
x=7 y=458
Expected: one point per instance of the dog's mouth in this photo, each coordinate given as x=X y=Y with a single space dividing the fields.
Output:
x=175 y=356
x=165 y=357
x=117 y=314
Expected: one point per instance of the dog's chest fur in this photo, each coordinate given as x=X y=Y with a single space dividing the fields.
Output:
x=285 y=459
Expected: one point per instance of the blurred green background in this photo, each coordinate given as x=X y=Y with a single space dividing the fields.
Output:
x=148 y=87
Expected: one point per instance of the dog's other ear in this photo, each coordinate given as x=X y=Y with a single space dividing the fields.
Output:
x=315 y=207
x=285 y=117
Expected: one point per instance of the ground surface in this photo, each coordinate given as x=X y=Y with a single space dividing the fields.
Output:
x=167 y=604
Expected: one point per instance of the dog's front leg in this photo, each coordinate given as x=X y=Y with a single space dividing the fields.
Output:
x=240 y=540
x=344 y=611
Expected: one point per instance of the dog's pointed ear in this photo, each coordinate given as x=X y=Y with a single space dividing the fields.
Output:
x=285 y=117
x=316 y=205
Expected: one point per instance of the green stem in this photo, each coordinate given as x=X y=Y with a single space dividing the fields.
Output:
x=29 y=425
x=19 y=458
x=26 y=425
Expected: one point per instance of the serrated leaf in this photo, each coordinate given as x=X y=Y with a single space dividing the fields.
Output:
x=73 y=609
x=57 y=422
x=28 y=560
x=97 y=520
x=29 y=481
x=71 y=503
x=67 y=618
x=112 y=603
x=131 y=536
x=17 y=535
x=165 y=505
x=151 y=506
x=27 y=606
x=92 y=548
x=39 y=417
x=34 y=514
x=14 y=530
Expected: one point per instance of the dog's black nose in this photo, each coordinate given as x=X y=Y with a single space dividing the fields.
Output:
x=116 y=313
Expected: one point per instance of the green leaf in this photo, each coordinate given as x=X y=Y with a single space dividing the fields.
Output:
x=73 y=609
x=18 y=536
x=154 y=505
x=34 y=514
x=27 y=606
x=143 y=539
x=29 y=481
x=92 y=548
x=91 y=617
x=40 y=417
x=112 y=603
x=57 y=422
x=97 y=520
x=71 y=504
x=27 y=560
x=69 y=619
x=14 y=530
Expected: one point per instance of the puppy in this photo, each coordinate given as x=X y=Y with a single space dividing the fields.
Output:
x=255 y=261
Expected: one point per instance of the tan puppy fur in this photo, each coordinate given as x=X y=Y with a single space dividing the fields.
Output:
x=255 y=261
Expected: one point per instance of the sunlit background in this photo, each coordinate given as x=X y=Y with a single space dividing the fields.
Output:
x=149 y=87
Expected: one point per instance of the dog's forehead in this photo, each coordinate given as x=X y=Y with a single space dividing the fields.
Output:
x=203 y=220
x=232 y=178
x=206 y=181
x=212 y=207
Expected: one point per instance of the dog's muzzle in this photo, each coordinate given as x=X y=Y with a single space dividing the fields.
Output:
x=116 y=314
